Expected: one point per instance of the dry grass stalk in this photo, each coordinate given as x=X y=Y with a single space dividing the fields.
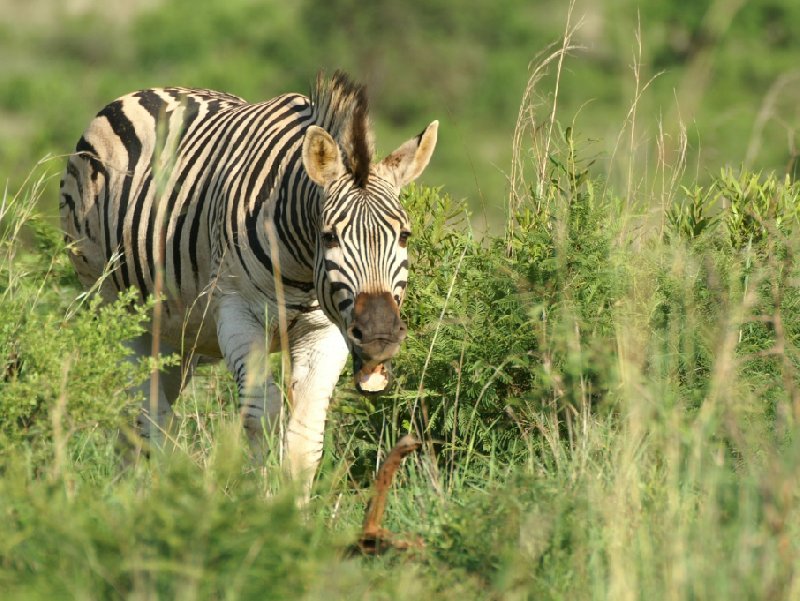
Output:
x=527 y=124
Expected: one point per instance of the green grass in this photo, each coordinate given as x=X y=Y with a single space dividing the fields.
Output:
x=612 y=402
x=608 y=392
x=727 y=69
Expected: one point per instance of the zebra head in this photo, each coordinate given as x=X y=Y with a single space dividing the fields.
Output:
x=361 y=265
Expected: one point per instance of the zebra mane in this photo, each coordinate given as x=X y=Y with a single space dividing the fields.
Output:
x=340 y=107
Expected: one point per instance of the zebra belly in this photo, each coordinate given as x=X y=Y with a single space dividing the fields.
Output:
x=192 y=332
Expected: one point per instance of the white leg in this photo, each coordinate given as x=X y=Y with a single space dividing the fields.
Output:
x=243 y=343
x=319 y=353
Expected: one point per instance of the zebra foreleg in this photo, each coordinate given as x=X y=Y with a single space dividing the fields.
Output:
x=319 y=353
x=243 y=343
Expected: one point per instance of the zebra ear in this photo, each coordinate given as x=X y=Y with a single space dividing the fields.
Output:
x=406 y=163
x=321 y=156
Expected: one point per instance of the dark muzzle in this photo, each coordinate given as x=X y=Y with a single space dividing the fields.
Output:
x=375 y=337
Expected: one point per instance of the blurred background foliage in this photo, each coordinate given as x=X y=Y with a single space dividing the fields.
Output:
x=726 y=70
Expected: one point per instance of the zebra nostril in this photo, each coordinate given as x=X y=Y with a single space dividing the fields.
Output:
x=357 y=334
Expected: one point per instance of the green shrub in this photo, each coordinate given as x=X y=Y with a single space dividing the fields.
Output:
x=608 y=394
x=62 y=363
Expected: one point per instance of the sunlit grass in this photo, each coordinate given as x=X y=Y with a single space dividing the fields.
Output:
x=608 y=394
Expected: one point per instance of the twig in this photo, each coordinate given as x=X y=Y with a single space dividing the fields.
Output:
x=374 y=540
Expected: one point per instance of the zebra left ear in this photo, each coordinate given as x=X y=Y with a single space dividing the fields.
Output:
x=406 y=163
x=321 y=156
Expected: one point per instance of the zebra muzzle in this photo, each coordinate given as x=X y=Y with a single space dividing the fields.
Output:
x=375 y=337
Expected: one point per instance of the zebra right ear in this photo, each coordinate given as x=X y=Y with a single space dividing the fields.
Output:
x=406 y=163
x=321 y=156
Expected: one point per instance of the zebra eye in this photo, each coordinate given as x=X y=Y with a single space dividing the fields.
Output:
x=330 y=239
x=404 y=236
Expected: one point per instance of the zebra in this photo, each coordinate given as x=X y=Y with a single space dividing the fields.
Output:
x=271 y=229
